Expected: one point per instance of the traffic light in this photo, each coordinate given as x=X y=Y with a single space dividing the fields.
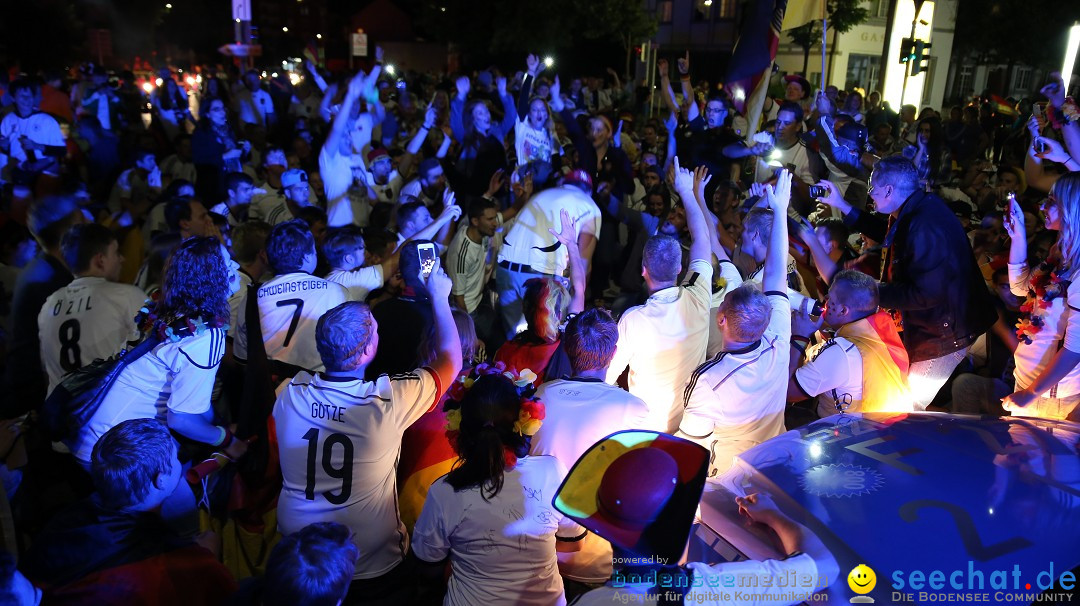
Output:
x=920 y=59
x=906 y=50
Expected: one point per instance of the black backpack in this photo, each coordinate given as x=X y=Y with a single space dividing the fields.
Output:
x=72 y=403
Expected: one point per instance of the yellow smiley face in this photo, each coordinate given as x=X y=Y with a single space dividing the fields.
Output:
x=862 y=579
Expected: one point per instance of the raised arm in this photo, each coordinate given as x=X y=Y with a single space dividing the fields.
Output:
x=566 y=237
x=665 y=86
x=701 y=179
x=417 y=141
x=695 y=219
x=687 y=90
x=457 y=108
x=509 y=110
x=447 y=362
x=774 y=278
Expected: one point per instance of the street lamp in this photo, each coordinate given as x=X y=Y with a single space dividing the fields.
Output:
x=549 y=61
x=1070 y=55
x=285 y=29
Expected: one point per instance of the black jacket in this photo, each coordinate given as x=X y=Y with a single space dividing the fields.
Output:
x=930 y=276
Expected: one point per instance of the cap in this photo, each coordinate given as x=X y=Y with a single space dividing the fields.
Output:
x=293 y=176
x=377 y=153
x=578 y=177
x=803 y=82
x=637 y=489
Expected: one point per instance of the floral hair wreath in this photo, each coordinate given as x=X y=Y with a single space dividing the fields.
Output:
x=532 y=410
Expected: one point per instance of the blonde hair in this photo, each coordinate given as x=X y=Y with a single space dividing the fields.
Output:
x=1067 y=192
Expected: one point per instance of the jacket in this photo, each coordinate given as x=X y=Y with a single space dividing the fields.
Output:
x=929 y=275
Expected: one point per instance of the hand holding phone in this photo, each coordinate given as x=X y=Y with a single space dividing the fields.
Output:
x=427 y=259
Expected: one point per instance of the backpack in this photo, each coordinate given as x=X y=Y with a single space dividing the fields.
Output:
x=73 y=402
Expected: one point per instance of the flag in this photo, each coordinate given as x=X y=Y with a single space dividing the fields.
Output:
x=801 y=12
x=753 y=56
x=312 y=53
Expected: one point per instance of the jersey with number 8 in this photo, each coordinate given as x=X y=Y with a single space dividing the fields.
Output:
x=88 y=319
x=290 y=306
x=339 y=441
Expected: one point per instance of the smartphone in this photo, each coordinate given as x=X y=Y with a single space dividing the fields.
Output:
x=818 y=191
x=427 y=258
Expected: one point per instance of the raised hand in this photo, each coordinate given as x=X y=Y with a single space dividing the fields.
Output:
x=701 y=179
x=532 y=65
x=378 y=54
x=1052 y=150
x=463 y=85
x=1014 y=220
x=683 y=180
x=780 y=195
x=356 y=84
x=616 y=139
x=430 y=115
x=500 y=85
x=684 y=64
x=671 y=123
x=567 y=235
x=1055 y=89
x=662 y=66
x=495 y=183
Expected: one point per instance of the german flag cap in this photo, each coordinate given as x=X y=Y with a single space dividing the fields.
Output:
x=639 y=490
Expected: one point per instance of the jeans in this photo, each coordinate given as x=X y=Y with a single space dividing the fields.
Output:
x=927 y=377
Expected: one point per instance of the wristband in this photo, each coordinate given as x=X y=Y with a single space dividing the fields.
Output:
x=226 y=438
x=800 y=339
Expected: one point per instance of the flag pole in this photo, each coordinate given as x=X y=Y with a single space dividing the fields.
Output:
x=824 y=32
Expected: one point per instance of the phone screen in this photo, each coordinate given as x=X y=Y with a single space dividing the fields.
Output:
x=427 y=258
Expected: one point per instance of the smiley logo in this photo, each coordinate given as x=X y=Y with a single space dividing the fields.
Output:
x=862 y=579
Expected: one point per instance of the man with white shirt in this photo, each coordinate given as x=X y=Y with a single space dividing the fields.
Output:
x=665 y=339
x=737 y=399
x=292 y=302
x=31 y=142
x=530 y=251
x=581 y=411
x=138 y=184
x=344 y=251
x=253 y=104
x=863 y=368
x=93 y=316
x=429 y=184
x=469 y=259
x=340 y=437
x=295 y=194
x=239 y=188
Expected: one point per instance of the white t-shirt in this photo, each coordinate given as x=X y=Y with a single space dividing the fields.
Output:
x=340 y=440
x=254 y=107
x=1059 y=321
x=344 y=206
x=580 y=413
x=663 y=341
x=387 y=192
x=707 y=582
x=90 y=318
x=39 y=127
x=731 y=279
x=502 y=550
x=467 y=264
x=529 y=242
x=270 y=207
x=532 y=144
x=174 y=376
x=797 y=155
x=175 y=168
x=359 y=282
x=737 y=399
x=290 y=306
x=833 y=372
x=237 y=302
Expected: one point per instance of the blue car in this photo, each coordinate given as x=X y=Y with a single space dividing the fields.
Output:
x=938 y=507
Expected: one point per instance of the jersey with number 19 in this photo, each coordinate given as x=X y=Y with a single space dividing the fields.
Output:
x=290 y=306
x=88 y=319
x=339 y=441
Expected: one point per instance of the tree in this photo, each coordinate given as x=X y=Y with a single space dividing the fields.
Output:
x=843 y=16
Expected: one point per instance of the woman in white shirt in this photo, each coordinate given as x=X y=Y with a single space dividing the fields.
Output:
x=492 y=514
x=1047 y=377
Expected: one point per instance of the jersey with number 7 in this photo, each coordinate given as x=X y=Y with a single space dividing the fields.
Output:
x=290 y=306
x=339 y=441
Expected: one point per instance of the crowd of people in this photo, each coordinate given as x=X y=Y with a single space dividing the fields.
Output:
x=372 y=320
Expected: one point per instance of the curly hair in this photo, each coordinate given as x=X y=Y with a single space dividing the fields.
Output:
x=196 y=281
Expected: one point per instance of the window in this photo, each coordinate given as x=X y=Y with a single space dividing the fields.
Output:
x=964 y=81
x=663 y=11
x=862 y=72
x=725 y=9
x=1022 y=78
x=879 y=8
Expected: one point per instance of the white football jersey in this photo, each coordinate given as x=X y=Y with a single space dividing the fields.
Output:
x=290 y=306
x=88 y=319
x=339 y=440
